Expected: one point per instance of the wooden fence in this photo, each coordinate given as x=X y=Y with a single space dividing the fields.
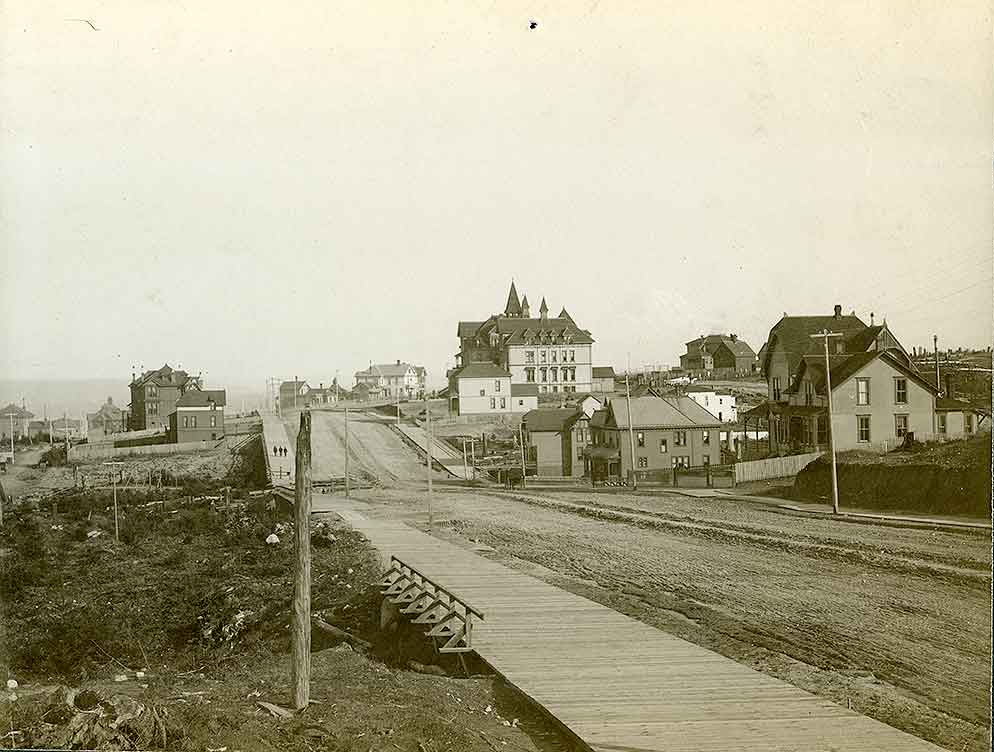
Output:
x=102 y=451
x=775 y=467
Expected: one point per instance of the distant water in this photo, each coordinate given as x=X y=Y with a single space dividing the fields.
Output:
x=86 y=395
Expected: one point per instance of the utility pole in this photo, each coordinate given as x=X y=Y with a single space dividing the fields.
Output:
x=117 y=529
x=301 y=621
x=11 y=416
x=825 y=336
x=428 y=452
x=935 y=344
x=65 y=428
x=631 y=421
x=347 y=484
x=465 y=463
x=521 y=440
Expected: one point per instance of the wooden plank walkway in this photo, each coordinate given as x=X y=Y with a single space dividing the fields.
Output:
x=617 y=684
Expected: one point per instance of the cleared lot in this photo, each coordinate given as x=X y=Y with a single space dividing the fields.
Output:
x=894 y=621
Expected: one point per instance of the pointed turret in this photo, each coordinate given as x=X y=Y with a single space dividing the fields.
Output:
x=564 y=314
x=525 y=310
x=543 y=310
x=513 y=307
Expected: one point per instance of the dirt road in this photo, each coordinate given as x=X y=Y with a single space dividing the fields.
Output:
x=374 y=448
x=894 y=621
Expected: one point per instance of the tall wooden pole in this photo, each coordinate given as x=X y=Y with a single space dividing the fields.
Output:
x=301 y=666
x=521 y=440
x=347 y=483
x=631 y=428
x=428 y=452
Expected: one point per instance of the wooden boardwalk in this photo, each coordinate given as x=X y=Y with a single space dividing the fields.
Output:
x=281 y=470
x=617 y=684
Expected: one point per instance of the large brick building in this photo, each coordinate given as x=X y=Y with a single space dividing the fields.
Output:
x=199 y=416
x=154 y=395
x=552 y=353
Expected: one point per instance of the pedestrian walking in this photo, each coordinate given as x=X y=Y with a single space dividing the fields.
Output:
x=275 y=450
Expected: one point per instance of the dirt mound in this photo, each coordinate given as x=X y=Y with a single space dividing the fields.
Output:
x=952 y=478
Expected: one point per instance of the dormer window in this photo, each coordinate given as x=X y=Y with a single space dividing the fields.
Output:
x=839 y=348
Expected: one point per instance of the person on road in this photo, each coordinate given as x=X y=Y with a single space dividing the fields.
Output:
x=275 y=450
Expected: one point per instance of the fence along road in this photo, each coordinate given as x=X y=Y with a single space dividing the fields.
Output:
x=617 y=684
x=281 y=470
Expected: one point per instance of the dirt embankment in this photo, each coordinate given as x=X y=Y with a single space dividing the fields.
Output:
x=954 y=479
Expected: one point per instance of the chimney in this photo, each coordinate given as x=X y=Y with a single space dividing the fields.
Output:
x=733 y=337
x=398 y=361
x=949 y=384
x=871 y=318
x=321 y=385
x=838 y=312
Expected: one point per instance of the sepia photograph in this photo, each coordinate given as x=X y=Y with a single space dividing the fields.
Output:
x=496 y=375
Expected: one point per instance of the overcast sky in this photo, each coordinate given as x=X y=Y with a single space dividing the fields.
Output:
x=272 y=188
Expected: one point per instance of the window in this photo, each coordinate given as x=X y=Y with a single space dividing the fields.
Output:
x=193 y=421
x=496 y=385
x=529 y=356
x=809 y=393
x=680 y=438
x=555 y=373
x=545 y=374
x=562 y=356
x=553 y=356
x=681 y=461
x=521 y=403
x=493 y=403
x=663 y=447
x=572 y=356
x=900 y=391
x=940 y=422
x=213 y=421
x=640 y=439
x=967 y=422
x=545 y=389
x=822 y=430
x=555 y=388
x=542 y=355
x=530 y=375
x=186 y=421
x=776 y=388
x=503 y=403
x=863 y=392
x=862 y=427
x=483 y=392
x=900 y=425
x=579 y=451
x=643 y=462
x=719 y=415
x=707 y=437
x=707 y=460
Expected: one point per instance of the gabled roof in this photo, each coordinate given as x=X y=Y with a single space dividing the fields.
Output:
x=599 y=418
x=793 y=334
x=524 y=390
x=844 y=367
x=164 y=376
x=602 y=372
x=468 y=328
x=739 y=348
x=388 y=369
x=202 y=398
x=292 y=385
x=550 y=419
x=19 y=413
x=954 y=404
x=662 y=412
x=481 y=371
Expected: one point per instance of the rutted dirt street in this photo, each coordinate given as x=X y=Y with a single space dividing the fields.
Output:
x=374 y=447
x=892 y=620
